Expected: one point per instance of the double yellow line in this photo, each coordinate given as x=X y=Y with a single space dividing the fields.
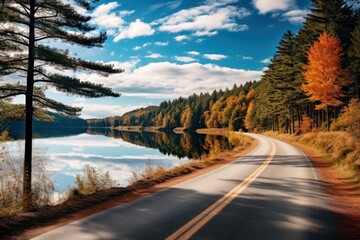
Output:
x=191 y=227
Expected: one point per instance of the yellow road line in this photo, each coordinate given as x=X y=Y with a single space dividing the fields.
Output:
x=191 y=227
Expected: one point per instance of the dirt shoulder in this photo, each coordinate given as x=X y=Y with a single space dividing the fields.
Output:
x=344 y=193
x=32 y=224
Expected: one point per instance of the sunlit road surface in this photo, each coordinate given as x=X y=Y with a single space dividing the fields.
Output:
x=271 y=193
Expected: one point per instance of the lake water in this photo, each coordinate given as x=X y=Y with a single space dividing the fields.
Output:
x=114 y=151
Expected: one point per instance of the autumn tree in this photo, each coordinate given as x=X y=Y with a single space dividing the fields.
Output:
x=26 y=28
x=324 y=75
x=249 y=116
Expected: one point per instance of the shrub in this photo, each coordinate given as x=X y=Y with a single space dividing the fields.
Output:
x=11 y=182
x=92 y=180
x=349 y=119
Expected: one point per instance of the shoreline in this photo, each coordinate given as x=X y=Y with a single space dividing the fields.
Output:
x=31 y=224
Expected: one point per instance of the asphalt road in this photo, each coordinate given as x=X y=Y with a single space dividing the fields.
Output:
x=271 y=193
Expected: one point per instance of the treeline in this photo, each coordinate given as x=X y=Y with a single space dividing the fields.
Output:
x=220 y=109
x=283 y=101
x=312 y=76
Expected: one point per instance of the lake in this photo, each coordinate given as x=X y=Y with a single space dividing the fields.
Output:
x=120 y=153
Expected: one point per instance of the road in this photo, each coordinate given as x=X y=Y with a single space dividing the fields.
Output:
x=271 y=193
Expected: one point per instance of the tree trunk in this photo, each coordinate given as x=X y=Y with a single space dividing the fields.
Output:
x=327 y=119
x=27 y=198
x=299 y=117
x=293 y=120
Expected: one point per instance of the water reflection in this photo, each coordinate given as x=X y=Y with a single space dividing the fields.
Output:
x=120 y=153
x=186 y=145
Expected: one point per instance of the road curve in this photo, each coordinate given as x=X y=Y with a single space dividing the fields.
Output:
x=271 y=193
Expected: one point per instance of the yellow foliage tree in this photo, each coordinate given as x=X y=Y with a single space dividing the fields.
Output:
x=249 y=116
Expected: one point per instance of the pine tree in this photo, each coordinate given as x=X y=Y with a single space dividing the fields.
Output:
x=324 y=75
x=26 y=24
x=354 y=58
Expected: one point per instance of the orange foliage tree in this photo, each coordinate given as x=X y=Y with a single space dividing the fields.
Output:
x=324 y=75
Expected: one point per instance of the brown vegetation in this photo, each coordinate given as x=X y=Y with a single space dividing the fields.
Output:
x=11 y=182
x=130 y=128
x=213 y=131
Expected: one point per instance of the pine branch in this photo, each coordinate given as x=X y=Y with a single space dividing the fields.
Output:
x=10 y=95
x=75 y=86
x=61 y=58
x=57 y=106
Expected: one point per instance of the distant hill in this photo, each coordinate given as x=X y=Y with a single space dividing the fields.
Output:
x=61 y=126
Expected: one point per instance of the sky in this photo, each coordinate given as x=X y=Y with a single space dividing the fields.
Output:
x=176 y=48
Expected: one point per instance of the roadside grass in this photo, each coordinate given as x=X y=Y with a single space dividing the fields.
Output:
x=340 y=149
x=11 y=182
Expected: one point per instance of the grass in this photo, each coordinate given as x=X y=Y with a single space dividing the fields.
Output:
x=340 y=149
x=11 y=182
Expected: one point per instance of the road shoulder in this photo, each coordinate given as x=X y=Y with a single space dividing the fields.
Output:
x=344 y=194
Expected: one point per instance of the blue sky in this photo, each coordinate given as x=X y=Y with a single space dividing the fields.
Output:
x=176 y=48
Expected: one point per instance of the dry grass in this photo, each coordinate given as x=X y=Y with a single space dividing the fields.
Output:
x=92 y=180
x=11 y=182
x=341 y=149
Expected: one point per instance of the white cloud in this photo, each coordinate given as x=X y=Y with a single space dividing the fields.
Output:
x=136 y=48
x=181 y=38
x=205 y=20
x=247 y=58
x=193 y=53
x=205 y=33
x=125 y=13
x=215 y=57
x=161 y=43
x=112 y=53
x=185 y=59
x=135 y=29
x=154 y=56
x=171 y=80
x=91 y=110
x=128 y=66
x=103 y=17
x=295 y=16
x=265 y=6
x=169 y=5
x=266 y=60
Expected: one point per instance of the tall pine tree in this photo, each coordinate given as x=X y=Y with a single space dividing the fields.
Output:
x=25 y=27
